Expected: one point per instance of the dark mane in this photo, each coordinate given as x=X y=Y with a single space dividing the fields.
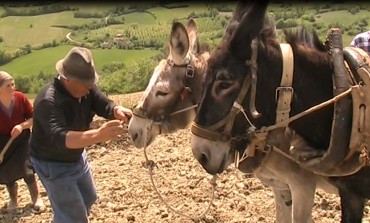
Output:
x=300 y=36
x=268 y=35
x=308 y=47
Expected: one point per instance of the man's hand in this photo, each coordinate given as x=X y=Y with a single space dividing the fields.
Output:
x=112 y=129
x=122 y=113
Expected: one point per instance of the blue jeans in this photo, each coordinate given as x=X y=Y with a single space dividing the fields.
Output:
x=70 y=188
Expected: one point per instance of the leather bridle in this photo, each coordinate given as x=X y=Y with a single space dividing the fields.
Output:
x=187 y=89
x=210 y=132
x=284 y=95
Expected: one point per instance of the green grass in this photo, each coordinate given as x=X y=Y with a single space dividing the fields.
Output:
x=31 y=96
x=44 y=60
x=1 y=10
x=140 y=18
x=342 y=17
x=128 y=57
x=94 y=7
x=164 y=14
x=18 y=31
x=345 y=18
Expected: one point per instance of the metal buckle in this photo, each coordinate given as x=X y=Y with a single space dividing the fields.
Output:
x=278 y=89
x=189 y=71
x=170 y=62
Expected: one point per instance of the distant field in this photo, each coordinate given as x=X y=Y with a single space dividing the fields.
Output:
x=44 y=60
x=21 y=30
x=94 y=6
x=177 y=13
x=140 y=18
x=342 y=17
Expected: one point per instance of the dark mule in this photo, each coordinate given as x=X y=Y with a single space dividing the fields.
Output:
x=166 y=107
x=215 y=141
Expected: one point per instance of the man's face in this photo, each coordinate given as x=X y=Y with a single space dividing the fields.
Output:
x=78 y=89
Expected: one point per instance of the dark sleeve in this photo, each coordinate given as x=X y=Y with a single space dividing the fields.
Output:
x=102 y=105
x=52 y=121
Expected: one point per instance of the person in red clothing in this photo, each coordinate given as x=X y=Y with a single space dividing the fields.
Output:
x=16 y=114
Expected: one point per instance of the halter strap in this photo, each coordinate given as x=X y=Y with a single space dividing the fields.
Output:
x=187 y=89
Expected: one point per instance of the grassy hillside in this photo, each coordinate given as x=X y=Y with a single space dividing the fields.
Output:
x=344 y=18
x=18 y=31
x=44 y=60
x=144 y=28
x=35 y=30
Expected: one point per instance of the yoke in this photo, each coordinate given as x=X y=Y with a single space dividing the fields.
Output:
x=358 y=64
x=349 y=144
x=348 y=155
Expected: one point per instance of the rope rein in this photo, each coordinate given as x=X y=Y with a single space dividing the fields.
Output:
x=150 y=164
x=184 y=109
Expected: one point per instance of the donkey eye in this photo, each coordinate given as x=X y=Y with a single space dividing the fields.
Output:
x=161 y=93
x=224 y=85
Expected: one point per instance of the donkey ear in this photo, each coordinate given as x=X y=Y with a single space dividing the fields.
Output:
x=249 y=27
x=192 y=32
x=240 y=9
x=179 y=43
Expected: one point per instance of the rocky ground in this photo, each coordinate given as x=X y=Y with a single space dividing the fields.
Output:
x=126 y=193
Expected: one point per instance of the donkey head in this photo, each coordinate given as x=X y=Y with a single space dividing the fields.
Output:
x=168 y=103
x=215 y=123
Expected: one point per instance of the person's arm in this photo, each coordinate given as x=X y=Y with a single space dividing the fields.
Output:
x=101 y=104
x=53 y=121
x=27 y=124
x=17 y=129
x=110 y=130
x=107 y=108
x=28 y=109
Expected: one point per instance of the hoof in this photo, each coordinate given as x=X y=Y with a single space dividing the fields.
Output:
x=38 y=206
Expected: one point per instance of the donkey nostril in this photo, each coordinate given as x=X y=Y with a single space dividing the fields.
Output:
x=203 y=159
x=134 y=136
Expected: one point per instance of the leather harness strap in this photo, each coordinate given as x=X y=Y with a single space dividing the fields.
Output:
x=284 y=93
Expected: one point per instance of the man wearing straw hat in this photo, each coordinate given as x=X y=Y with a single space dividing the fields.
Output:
x=63 y=111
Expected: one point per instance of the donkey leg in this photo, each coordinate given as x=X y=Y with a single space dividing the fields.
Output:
x=352 y=206
x=303 y=193
x=302 y=185
x=282 y=194
x=283 y=205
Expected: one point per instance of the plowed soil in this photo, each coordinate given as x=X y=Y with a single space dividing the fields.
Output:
x=126 y=193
